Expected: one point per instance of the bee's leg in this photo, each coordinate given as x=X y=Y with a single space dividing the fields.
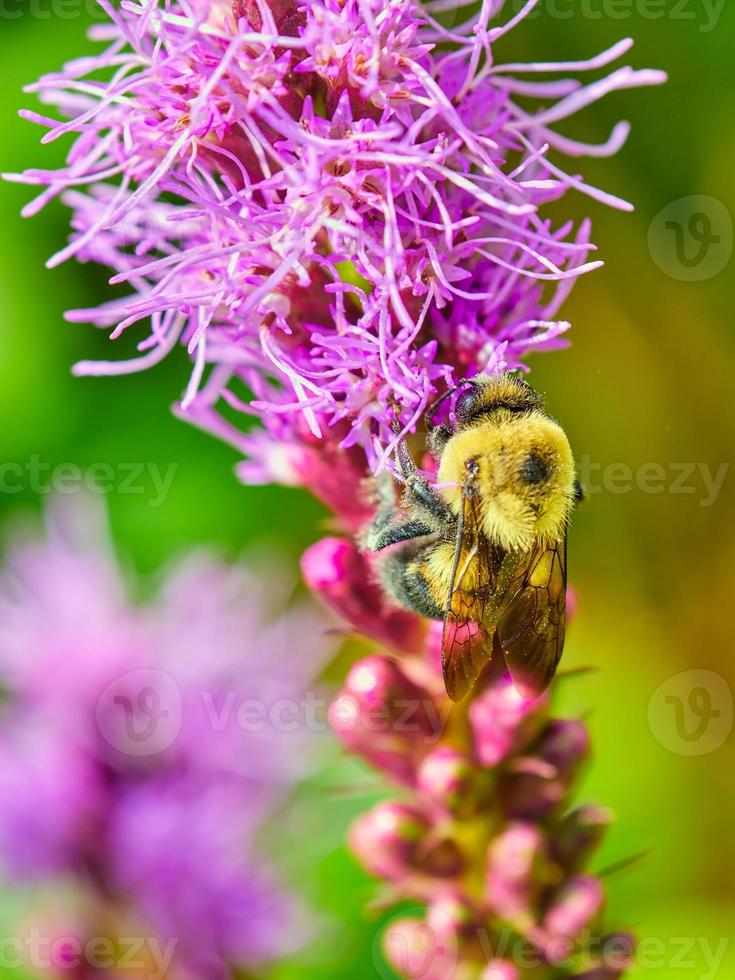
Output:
x=384 y=491
x=404 y=582
x=390 y=526
x=382 y=535
x=384 y=496
x=422 y=495
x=419 y=490
x=437 y=439
x=406 y=461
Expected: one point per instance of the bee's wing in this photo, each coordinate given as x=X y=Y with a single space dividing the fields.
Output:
x=466 y=642
x=532 y=623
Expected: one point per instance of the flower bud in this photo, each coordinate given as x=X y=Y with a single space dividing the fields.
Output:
x=414 y=951
x=433 y=650
x=335 y=477
x=578 y=836
x=397 y=840
x=447 y=776
x=337 y=571
x=537 y=784
x=387 y=840
x=384 y=717
x=500 y=970
x=565 y=744
x=503 y=721
x=512 y=879
x=616 y=958
x=451 y=916
x=443 y=859
x=575 y=907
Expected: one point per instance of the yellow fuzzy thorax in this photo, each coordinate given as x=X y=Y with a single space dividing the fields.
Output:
x=506 y=389
x=515 y=513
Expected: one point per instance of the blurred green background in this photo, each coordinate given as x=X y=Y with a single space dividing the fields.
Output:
x=645 y=390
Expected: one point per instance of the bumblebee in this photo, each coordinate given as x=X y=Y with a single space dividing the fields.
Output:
x=485 y=549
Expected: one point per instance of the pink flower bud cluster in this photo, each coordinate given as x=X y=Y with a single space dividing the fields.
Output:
x=483 y=832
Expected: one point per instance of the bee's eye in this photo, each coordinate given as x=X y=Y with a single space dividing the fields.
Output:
x=534 y=469
x=466 y=401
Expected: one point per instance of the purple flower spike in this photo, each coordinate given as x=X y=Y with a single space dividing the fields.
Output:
x=487 y=785
x=339 y=208
x=336 y=207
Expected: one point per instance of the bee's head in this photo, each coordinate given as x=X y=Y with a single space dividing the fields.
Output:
x=521 y=469
x=486 y=396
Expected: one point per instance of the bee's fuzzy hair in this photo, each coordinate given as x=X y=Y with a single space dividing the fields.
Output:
x=517 y=513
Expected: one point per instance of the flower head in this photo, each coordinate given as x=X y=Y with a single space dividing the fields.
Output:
x=335 y=205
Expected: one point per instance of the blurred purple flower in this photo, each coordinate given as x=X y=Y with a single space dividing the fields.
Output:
x=335 y=205
x=143 y=747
